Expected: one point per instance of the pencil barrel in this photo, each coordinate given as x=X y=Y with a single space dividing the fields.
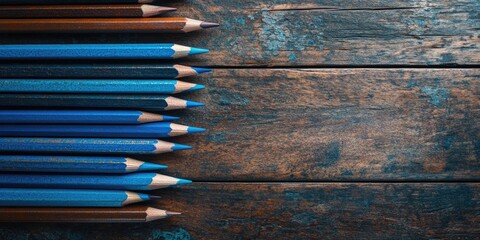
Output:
x=76 y=2
x=71 y=11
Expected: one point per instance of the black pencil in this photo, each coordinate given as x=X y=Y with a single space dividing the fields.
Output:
x=61 y=2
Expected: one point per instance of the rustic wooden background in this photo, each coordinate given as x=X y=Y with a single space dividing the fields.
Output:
x=327 y=119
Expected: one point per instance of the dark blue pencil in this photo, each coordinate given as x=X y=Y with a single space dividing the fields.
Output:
x=147 y=130
x=111 y=101
x=136 y=86
x=98 y=70
x=132 y=181
x=74 y=164
x=97 y=51
x=76 y=2
x=80 y=117
x=96 y=146
x=30 y=197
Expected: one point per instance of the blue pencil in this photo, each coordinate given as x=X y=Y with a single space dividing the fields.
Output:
x=80 y=117
x=97 y=86
x=132 y=181
x=74 y=164
x=147 y=130
x=27 y=197
x=89 y=146
x=97 y=51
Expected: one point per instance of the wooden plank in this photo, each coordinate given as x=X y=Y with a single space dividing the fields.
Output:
x=293 y=211
x=316 y=32
x=332 y=124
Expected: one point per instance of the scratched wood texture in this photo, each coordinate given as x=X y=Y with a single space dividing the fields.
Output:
x=317 y=32
x=293 y=211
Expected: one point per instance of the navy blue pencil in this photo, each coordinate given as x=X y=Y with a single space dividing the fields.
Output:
x=59 y=2
x=28 y=197
x=132 y=181
x=147 y=130
x=137 y=86
x=87 y=146
x=97 y=51
x=110 y=101
x=75 y=164
x=122 y=117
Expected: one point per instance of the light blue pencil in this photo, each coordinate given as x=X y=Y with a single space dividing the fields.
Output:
x=27 y=197
x=132 y=181
x=74 y=164
x=122 y=117
x=97 y=51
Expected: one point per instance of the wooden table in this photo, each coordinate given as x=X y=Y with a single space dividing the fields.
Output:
x=326 y=119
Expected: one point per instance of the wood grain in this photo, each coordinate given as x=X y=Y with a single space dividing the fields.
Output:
x=293 y=211
x=332 y=125
x=317 y=32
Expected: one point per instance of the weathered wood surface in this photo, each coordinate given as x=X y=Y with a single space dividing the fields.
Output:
x=332 y=124
x=293 y=211
x=317 y=32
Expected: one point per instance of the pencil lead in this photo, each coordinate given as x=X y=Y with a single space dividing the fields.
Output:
x=195 y=51
x=209 y=25
x=178 y=147
x=155 y=197
x=201 y=70
x=191 y=104
x=195 y=130
x=146 y=166
x=183 y=182
x=172 y=213
x=196 y=87
x=170 y=118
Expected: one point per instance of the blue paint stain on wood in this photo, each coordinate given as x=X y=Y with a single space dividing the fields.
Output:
x=306 y=218
x=329 y=155
x=438 y=96
x=176 y=234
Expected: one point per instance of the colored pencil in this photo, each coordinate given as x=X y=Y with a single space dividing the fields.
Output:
x=124 y=117
x=74 y=164
x=82 y=11
x=29 y=197
x=97 y=51
x=147 y=130
x=134 y=86
x=98 y=70
x=104 y=25
x=58 y=2
x=143 y=102
x=104 y=146
x=130 y=214
x=132 y=181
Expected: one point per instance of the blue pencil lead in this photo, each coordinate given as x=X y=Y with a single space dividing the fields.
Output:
x=144 y=196
x=191 y=104
x=183 y=182
x=196 y=87
x=195 y=129
x=170 y=118
x=195 y=51
x=151 y=167
x=201 y=70
x=177 y=147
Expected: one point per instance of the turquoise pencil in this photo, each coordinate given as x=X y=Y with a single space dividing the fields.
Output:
x=97 y=51
x=87 y=146
x=132 y=181
x=28 y=197
x=75 y=164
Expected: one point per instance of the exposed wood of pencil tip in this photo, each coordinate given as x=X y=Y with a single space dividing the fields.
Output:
x=146 y=117
x=132 y=197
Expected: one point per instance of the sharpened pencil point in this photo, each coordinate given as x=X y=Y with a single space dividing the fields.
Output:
x=183 y=182
x=191 y=104
x=195 y=129
x=195 y=51
x=172 y=213
x=209 y=25
x=196 y=87
x=201 y=70
x=155 y=197
x=169 y=118
x=151 y=167
x=178 y=147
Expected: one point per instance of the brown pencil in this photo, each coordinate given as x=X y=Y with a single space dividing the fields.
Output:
x=82 y=11
x=101 y=215
x=103 y=25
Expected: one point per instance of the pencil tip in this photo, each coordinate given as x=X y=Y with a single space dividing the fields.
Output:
x=172 y=213
x=209 y=25
x=178 y=147
x=195 y=51
x=201 y=70
x=169 y=9
x=155 y=197
x=196 y=87
x=191 y=104
x=169 y=118
x=183 y=182
x=195 y=130
x=151 y=167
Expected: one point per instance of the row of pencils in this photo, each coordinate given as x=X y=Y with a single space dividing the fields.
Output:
x=70 y=133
